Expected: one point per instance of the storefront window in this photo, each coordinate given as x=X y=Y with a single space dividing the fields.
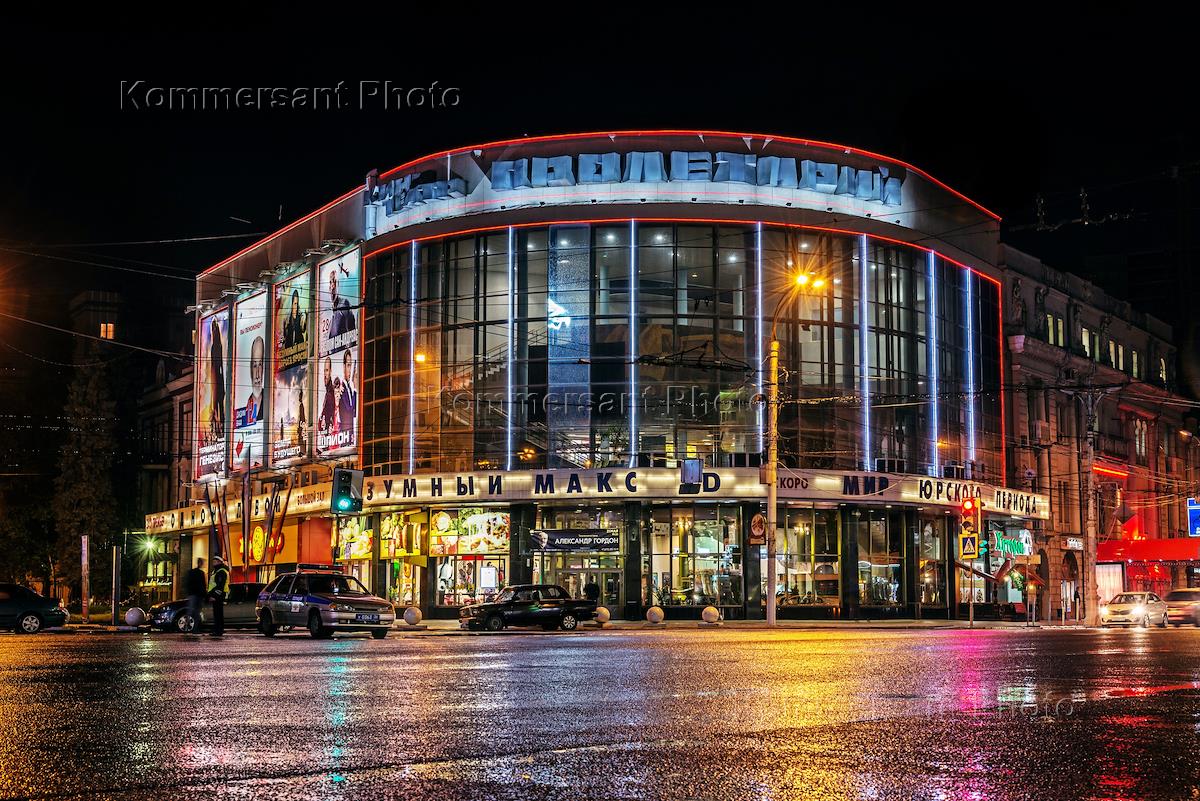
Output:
x=352 y=547
x=694 y=556
x=806 y=550
x=879 y=534
x=401 y=541
x=472 y=549
x=931 y=560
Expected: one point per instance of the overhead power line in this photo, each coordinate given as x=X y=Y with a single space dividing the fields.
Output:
x=164 y=353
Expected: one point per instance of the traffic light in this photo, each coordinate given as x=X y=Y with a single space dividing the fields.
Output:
x=347 y=496
x=971 y=510
x=971 y=536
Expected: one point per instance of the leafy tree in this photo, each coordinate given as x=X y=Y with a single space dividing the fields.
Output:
x=84 y=502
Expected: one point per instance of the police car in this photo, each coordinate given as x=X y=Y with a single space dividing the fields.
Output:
x=324 y=601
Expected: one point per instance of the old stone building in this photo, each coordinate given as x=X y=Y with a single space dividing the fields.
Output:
x=1075 y=354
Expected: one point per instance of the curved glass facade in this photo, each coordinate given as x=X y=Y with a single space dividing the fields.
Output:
x=639 y=342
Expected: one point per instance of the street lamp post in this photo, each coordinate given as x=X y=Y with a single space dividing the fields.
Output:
x=802 y=280
x=772 y=471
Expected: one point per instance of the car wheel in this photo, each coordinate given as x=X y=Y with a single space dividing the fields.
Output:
x=569 y=622
x=379 y=634
x=29 y=623
x=316 y=628
x=1163 y=625
x=494 y=623
x=266 y=625
x=185 y=623
x=1146 y=621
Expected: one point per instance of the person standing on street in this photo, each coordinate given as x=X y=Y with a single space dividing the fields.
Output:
x=591 y=591
x=218 y=588
x=194 y=583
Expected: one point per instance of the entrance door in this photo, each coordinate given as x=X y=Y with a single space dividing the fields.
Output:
x=609 y=582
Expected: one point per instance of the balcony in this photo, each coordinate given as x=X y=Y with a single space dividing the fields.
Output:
x=1113 y=446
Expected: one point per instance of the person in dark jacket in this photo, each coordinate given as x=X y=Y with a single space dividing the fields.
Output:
x=591 y=591
x=218 y=588
x=195 y=584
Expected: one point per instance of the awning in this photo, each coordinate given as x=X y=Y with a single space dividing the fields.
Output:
x=1029 y=573
x=1175 y=549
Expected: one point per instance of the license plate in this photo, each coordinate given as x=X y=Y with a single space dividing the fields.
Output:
x=365 y=618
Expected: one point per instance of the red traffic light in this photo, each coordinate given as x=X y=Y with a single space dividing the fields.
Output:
x=968 y=506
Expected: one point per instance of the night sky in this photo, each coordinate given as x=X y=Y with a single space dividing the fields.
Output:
x=1001 y=116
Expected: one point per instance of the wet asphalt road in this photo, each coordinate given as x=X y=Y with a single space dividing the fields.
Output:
x=676 y=714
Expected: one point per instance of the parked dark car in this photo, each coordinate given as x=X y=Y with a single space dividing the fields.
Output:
x=26 y=612
x=239 y=610
x=545 y=605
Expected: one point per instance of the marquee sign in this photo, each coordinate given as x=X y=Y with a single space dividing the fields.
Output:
x=881 y=183
x=488 y=487
x=448 y=489
x=889 y=488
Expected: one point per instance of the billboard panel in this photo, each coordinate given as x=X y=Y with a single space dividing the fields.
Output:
x=339 y=290
x=212 y=422
x=249 y=383
x=289 y=396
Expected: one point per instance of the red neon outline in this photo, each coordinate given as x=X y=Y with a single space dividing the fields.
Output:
x=600 y=134
x=281 y=231
x=673 y=132
x=711 y=220
x=612 y=221
x=1003 y=424
x=1109 y=471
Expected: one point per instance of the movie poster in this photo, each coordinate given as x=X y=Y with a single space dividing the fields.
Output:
x=249 y=383
x=212 y=423
x=339 y=291
x=289 y=399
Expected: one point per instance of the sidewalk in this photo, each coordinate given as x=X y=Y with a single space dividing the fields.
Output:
x=451 y=627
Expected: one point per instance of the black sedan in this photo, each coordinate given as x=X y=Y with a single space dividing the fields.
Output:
x=239 y=611
x=545 y=605
x=26 y=612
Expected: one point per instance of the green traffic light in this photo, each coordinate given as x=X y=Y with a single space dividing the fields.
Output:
x=343 y=503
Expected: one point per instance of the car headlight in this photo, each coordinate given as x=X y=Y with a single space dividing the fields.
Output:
x=1104 y=610
x=341 y=607
x=1139 y=609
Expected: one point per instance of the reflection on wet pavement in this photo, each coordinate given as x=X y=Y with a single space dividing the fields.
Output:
x=671 y=714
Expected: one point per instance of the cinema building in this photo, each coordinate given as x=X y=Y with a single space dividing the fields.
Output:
x=519 y=342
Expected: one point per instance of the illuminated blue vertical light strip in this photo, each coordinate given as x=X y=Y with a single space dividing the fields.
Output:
x=970 y=399
x=758 y=331
x=931 y=291
x=633 y=345
x=509 y=406
x=412 y=357
x=865 y=367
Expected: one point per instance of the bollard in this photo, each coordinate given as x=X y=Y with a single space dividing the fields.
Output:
x=412 y=616
x=710 y=614
x=654 y=615
x=603 y=615
x=135 y=617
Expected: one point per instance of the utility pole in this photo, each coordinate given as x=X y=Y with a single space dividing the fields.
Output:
x=772 y=473
x=1091 y=588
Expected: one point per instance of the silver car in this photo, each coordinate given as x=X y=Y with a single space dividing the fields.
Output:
x=1134 y=609
x=323 y=601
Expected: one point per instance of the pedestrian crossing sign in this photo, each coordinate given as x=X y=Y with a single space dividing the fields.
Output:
x=968 y=545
